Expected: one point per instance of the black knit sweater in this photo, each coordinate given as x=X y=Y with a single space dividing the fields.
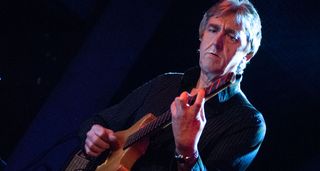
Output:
x=230 y=140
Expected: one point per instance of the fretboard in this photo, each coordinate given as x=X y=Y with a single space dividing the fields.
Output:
x=152 y=126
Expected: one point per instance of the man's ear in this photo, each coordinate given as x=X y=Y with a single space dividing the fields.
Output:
x=200 y=37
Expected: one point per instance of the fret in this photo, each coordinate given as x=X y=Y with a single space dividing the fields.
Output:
x=163 y=118
x=153 y=125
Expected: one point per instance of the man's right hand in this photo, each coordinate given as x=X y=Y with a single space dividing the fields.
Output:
x=98 y=140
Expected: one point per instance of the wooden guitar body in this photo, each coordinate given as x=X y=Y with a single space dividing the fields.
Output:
x=121 y=159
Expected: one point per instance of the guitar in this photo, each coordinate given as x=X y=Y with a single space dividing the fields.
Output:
x=133 y=142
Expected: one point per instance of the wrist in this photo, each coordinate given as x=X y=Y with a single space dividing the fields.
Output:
x=186 y=149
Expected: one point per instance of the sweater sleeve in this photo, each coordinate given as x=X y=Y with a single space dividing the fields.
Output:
x=117 y=117
x=122 y=115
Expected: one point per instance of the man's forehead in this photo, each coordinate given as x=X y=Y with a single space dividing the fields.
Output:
x=228 y=21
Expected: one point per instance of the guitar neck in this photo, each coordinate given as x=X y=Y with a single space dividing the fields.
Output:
x=158 y=123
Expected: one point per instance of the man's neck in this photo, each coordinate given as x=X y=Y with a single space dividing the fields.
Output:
x=205 y=80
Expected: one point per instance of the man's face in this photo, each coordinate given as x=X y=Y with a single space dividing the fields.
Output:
x=223 y=46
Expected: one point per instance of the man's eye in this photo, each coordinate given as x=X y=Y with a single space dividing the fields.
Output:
x=212 y=29
x=234 y=37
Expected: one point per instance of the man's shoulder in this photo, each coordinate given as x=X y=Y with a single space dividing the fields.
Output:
x=166 y=78
x=170 y=75
x=241 y=105
x=162 y=80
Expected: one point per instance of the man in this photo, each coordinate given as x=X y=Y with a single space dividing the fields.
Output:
x=223 y=133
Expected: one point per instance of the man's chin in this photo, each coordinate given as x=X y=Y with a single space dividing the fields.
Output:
x=213 y=72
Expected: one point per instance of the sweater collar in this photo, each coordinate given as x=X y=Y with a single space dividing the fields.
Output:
x=190 y=78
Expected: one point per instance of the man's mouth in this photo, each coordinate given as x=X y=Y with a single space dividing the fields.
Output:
x=213 y=54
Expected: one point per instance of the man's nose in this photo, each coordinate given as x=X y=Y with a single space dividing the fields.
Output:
x=218 y=42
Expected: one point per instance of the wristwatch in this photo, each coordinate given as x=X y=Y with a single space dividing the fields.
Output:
x=186 y=159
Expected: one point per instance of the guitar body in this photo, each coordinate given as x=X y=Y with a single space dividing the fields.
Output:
x=122 y=160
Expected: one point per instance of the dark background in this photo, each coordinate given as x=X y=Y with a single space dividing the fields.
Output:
x=62 y=61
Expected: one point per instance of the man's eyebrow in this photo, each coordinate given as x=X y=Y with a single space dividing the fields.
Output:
x=213 y=25
x=232 y=31
x=228 y=30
